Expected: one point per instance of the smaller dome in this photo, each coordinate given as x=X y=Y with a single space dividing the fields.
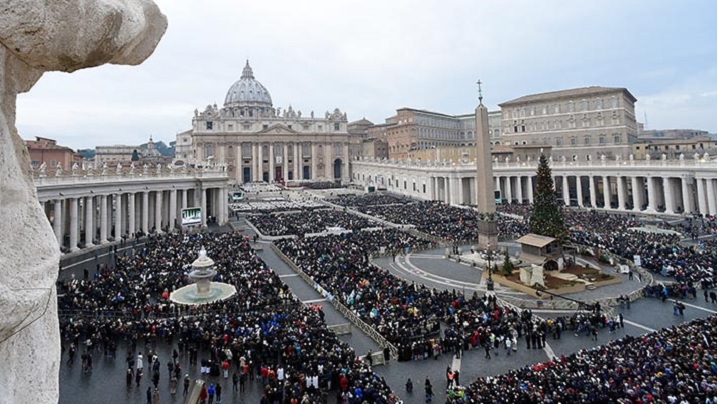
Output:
x=247 y=92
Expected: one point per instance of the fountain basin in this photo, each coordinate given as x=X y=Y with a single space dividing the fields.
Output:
x=215 y=292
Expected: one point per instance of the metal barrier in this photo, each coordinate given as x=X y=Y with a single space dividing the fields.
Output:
x=348 y=314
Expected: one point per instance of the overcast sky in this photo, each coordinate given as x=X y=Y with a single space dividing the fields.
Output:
x=369 y=58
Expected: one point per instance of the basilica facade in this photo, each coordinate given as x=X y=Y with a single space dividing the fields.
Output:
x=256 y=142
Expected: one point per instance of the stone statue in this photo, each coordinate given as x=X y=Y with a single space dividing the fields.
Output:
x=706 y=156
x=38 y=36
x=631 y=157
x=507 y=159
x=58 y=169
x=43 y=167
x=603 y=158
x=681 y=157
x=648 y=157
x=312 y=114
x=75 y=169
x=145 y=169
x=159 y=168
x=104 y=168
x=696 y=156
x=172 y=168
x=663 y=156
x=563 y=159
x=132 y=168
x=118 y=171
x=550 y=159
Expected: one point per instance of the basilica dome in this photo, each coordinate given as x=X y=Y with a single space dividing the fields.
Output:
x=247 y=92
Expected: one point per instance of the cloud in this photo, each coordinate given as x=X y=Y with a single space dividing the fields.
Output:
x=371 y=57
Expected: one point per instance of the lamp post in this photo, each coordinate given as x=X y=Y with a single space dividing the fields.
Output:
x=490 y=281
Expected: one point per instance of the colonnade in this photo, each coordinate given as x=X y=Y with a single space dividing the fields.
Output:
x=669 y=195
x=96 y=219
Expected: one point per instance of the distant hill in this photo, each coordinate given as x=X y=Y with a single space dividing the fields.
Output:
x=87 y=153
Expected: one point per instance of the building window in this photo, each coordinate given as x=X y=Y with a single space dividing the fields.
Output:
x=559 y=141
x=208 y=125
x=614 y=102
x=246 y=150
x=53 y=163
x=601 y=140
x=569 y=106
x=305 y=149
x=573 y=141
x=320 y=128
x=587 y=140
x=230 y=127
x=305 y=126
x=336 y=126
x=616 y=139
x=35 y=163
x=245 y=126
x=556 y=109
x=289 y=126
x=208 y=150
x=265 y=127
x=599 y=104
x=544 y=110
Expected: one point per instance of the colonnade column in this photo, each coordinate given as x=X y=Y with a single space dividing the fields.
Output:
x=74 y=229
x=203 y=199
x=131 y=211
x=530 y=189
x=687 y=205
x=447 y=199
x=146 y=212
x=606 y=192
x=592 y=190
x=579 y=191
x=89 y=221
x=328 y=161
x=497 y=182
x=298 y=161
x=118 y=217
x=702 y=208
x=260 y=163
x=103 y=219
x=57 y=221
x=509 y=195
x=651 y=195
x=173 y=209
x=711 y=196
x=621 y=189
x=158 y=211
x=566 y=194
x=460 y=191
x=635 y=190
x=519 y=189
x=668 y=193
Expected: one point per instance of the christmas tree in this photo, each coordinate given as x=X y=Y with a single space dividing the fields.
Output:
x=546 y=218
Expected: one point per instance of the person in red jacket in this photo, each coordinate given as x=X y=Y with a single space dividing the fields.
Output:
x=343 y=383
x=203 y=395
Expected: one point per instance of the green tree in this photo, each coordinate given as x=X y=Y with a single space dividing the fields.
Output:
x=546 y=217
x=508 y=266
x=135 y=156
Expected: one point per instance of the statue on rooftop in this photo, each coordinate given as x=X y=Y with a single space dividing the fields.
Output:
x=37 y=36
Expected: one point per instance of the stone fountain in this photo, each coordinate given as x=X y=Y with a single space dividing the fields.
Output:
x=204 y=290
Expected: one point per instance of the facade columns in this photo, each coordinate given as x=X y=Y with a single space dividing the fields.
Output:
x=131 y=210
x=158 y=211
x=298 y=161
x=566 y=194
x=497 y=181
x=621 y=189
x=447 y=198
x=145 y=212
x=668 y=194
x=260 y=164
x=606 y=192
x=285 y=163
x=460 y=191
x=636 y=194
x=173 y=209
x=74 y=228
x=592 y=190
x=89 y=221
x=184 y=198
x=685 y=192
x=313 y=167
x=530 y=185
x=579 y=191
x=255 y=165
x=271 y=162
x=328 y=161
x=57 y=221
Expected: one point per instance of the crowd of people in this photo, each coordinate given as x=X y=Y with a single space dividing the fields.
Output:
x=275 y=204
x=308 y=222
x=672 y=365
x=265 y=333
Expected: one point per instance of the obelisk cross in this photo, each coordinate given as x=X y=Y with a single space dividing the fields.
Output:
x=481 y=97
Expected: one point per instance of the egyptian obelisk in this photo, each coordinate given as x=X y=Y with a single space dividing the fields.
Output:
x=488 y=234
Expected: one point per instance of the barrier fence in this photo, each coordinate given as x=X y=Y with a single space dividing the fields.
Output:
x=348 y=314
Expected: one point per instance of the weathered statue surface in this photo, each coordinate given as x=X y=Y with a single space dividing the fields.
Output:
x=38 y=36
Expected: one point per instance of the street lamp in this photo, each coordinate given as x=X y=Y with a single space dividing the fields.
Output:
x=490 y=281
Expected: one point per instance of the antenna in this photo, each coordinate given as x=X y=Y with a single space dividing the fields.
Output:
x=645 y=120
